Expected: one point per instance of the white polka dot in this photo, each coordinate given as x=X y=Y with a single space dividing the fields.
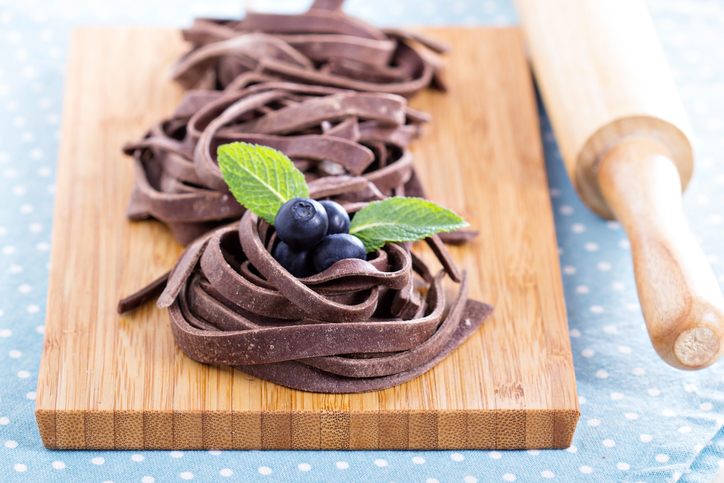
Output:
x=40 y=329
x=578 y=228
x=509 y=477
x=26 y=209
x=582 y=289
x=668 y=413
x=654 y=392
x=631 y=416
x=215 y=452
x=24 y=288
x=565 y=210
x=418 y=460
x=20 y=467
x=23 y=374
x=35 y=227
x=684 y=429
x=8 y=250
x=533 y=452
x=58 y=465
x=646 y=438
x=186 y=475
x=11 y=444
x=572 y=449
x=613 y=225
x=625 y=244
x=707 y=406
x=588 y=352
x=610 y=329
x=639 y=371
x=470 y=479
x=4 y=421
x=42 y=246
x=6 y=333
x=662 y=458
x=594 y=422
x=15 y=269
x=138 y=458
x=265 y=470
x=19 y=190
x=44 y=172
x=609 y=443
x=602 y=374
x=32 y=309
x=15 y=354
x=591 y=247
x=148 y=479
x=569 y=270
x=457 y=457
x=596 y=309
x=98 y=460
x=582 y=400
x=555 y=192
x=575 y=333
x=547 y=474
x=633 y=307
x=620 y=286
x=689 y=388
x=31 y=395
x=381 y=463
x=496 y=455
x=623 y=466
x=586 y=469
x=432 y=480
x=604 y=266
x=227 y=472
x=616 y=396
x=342 y=465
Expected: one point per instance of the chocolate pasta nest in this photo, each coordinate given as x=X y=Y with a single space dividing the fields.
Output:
x=320 y=47
x=329 y=94
x=325 y=131
x=358 y=326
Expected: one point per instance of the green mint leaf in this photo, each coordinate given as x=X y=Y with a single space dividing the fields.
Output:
x=399 y=219
x=261 y=178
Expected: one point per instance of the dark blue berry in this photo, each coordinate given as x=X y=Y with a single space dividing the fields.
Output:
x=299 y=263
x=335 y=248
x=301 y=223
x=337 y=216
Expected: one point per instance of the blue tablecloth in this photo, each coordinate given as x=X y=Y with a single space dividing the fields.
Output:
x=641 y=420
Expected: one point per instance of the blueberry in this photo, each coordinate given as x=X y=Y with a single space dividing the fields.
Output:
x=337 y=247
x=298 y=263
x=337 y=216
x=301 y=223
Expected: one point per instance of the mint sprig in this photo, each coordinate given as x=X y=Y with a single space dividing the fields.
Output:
x=400 y=219
x=261 y=178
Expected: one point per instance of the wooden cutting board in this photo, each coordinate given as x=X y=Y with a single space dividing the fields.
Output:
x=120 y=382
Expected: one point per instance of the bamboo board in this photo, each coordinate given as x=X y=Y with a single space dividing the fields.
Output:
x=110 y=382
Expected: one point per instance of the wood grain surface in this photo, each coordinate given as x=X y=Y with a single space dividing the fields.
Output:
x=120 y=382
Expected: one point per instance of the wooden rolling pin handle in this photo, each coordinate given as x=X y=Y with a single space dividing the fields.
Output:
x=680 y=297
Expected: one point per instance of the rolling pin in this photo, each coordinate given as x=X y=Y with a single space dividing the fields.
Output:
x=625 y=141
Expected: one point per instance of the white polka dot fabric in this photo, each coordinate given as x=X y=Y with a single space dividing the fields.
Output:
x=641 y=421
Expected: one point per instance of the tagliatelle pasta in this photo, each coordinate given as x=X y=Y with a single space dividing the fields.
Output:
x=357 y=326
